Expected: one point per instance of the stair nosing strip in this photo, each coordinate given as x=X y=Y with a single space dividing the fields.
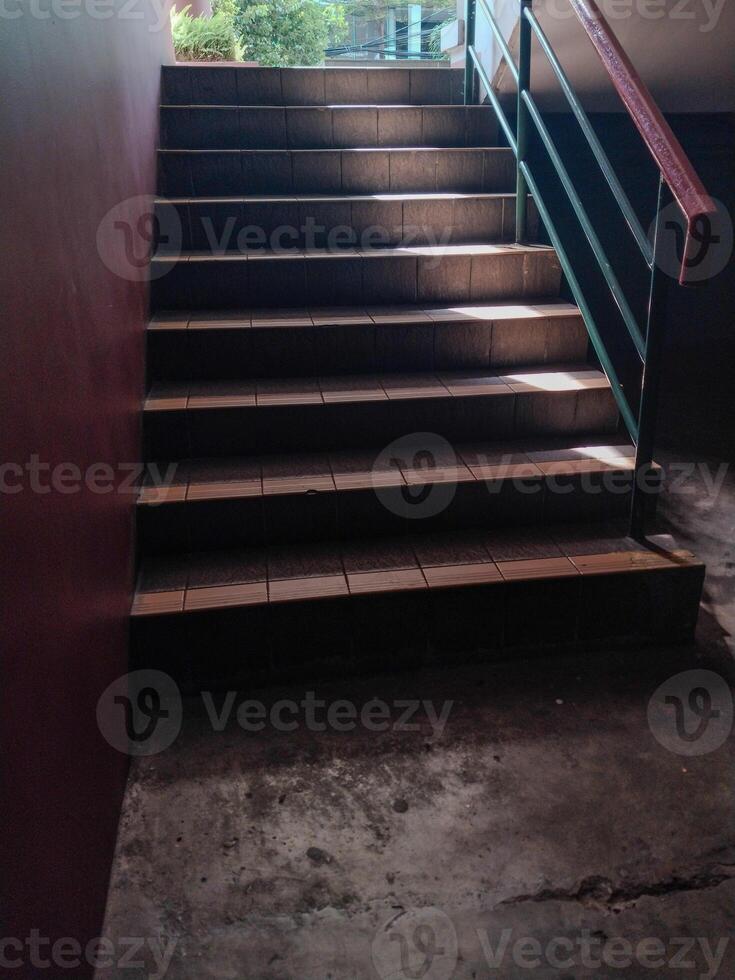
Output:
x=557 y=309
x=353 y=252
x=247 y=488
x=515 y=572
x=419 y=107
x=494 y=381
x=394 y=197
x=505 y=150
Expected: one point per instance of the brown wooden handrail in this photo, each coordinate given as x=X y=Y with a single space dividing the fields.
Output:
x=673 y=163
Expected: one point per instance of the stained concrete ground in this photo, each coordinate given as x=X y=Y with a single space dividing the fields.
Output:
x=546 y=810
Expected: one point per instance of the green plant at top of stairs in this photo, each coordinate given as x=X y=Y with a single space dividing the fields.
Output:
x=288 y=32
x=204 y=38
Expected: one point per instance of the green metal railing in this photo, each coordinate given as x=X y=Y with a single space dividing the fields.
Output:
x=676 y=174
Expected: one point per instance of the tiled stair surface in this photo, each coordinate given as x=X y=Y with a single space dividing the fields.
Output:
x=215 y=503
x=203 y=85
x=354 y=277
x=325 y=127
x=221 y=172
x=342 y=220
x=312 y=413
x=200 y=344
x=239 y=617
x=312 y=399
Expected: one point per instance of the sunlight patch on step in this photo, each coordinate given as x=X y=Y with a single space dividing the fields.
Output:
x=556 y=381
x=438 y=250
x=605 y=454
x=430 y=196
x=522 y=311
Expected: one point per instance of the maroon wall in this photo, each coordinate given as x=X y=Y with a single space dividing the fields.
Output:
x=78 y=121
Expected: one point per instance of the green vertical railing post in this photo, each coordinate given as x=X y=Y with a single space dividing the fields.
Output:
x=469 y=42
x=522 y=121
x=645 y=478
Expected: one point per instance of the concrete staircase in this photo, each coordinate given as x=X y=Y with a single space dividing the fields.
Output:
x=390 y=445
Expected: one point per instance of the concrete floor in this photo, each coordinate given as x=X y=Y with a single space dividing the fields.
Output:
x=545 y=810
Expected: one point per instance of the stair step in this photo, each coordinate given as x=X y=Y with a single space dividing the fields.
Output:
x=421 y=484
x=233 y=618
x=331 y=221
x=187 y=173
x=326 y=413
x=229 y=85
x=319 y=277
x=225 y=127
x=212 y=345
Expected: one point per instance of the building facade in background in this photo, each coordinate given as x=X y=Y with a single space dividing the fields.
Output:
x=394 y=32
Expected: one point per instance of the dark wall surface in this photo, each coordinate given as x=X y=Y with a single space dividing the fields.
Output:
x=79 y=127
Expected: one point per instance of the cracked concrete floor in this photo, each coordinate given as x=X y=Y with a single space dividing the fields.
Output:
x=545 y=825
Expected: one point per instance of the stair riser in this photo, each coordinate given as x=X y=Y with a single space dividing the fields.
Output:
x=345 y=127
x=236 y=225
x=215 y=525
x=344 y=280
x=269 y=352
x=237 y=649
x=222 y=86
x=313 y=427
x=271 y=172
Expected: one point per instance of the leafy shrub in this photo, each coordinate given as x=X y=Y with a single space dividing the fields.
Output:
x=228 y=7
x=288 y=32
x=204 y=38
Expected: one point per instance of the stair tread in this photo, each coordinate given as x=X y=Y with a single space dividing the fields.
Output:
x=237 y=84
x=345 y=316
x=503 y=150
x=358 y=567
x=352 y=469
x=388 y=251
x=260 y=392
x=329 y=105
x=394 y=196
